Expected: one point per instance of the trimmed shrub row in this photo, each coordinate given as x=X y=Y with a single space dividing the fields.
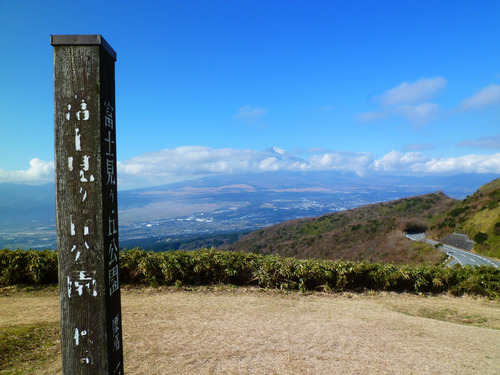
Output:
x=210 y=266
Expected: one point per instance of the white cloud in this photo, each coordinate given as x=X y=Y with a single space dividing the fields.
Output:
x=418 y=114
x=277 y=150
x=419 y=147
x=195 y=161
x=189 y=162
x=186 y=162
x=39 y=172
x=463 y=164
x=358 y=163
x=486 y=97
x=396 y=161
x=373 y=116
x=483 y=142
x=416 y=92
x=247 y=112
x=408 y=100
x=416 y=162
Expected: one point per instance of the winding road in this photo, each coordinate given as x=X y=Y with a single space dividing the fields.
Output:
x=462 y=257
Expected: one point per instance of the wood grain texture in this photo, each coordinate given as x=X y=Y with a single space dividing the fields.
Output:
x=86 y=206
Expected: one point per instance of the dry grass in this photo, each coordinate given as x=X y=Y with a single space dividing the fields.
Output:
x=249 y=331
x=28 y=319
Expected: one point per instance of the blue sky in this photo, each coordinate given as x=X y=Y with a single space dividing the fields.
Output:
x=214 y=87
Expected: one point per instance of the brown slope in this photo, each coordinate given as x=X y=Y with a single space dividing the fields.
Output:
x=373 y=232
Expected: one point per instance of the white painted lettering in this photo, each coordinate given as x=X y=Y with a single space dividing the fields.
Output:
x=84 y=113
x=108 y=115
x=112 y=227
x=78 y=145
x=85 y=162
x=69 y=287
x=110 y=142
x=81 y=282
x=68 y=114
x=72 y=225
x=110 y=171
x=84 y=194
x=113 y=280
x=113 y=252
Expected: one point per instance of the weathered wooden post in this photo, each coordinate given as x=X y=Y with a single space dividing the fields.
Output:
x=86 y=202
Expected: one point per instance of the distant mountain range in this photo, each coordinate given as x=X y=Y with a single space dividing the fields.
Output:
x=22 y=204
x=216 y=192
x=162 y=215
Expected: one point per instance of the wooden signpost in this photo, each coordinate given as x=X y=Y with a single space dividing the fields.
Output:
x=86 y=202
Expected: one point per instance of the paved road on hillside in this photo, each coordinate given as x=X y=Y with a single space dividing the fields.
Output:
x=462 y=257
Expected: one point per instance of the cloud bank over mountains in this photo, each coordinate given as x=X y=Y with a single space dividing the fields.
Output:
x=187 y=162
x=39 y=172
x=195 y=161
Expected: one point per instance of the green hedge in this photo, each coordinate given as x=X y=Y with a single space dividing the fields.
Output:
x=210 y=266
x=28 y=267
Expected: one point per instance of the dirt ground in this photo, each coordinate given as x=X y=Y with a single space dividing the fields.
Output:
x=250 y=331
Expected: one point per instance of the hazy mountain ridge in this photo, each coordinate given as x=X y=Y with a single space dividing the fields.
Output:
x=20 y=203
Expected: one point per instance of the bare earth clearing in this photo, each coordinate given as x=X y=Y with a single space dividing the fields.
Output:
x=250 y=331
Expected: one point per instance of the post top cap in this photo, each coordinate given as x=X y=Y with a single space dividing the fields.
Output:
x=82 y=40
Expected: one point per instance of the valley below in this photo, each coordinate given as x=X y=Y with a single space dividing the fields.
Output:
x=169 y=222
x=216 y=211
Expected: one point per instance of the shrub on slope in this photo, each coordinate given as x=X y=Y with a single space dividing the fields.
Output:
x=372 y=233
x=478 y=216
